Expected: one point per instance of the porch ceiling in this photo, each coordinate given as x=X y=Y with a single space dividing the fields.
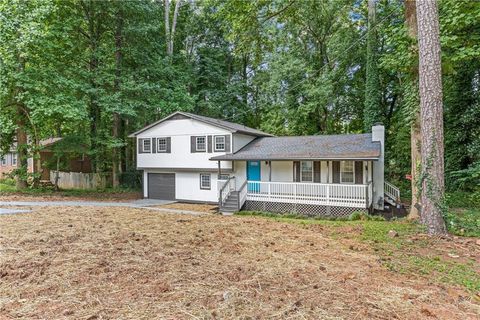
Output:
x=332 y=147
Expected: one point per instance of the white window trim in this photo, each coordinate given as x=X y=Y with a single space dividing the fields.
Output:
x=149 y=147
x=342 y=164
x=14 y=159
x=205 y=143
x=301 y=175
x=209 y=181
x=158 y=145
x=224 y=143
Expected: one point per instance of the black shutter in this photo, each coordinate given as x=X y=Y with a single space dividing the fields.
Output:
x=209 y=144
x=316 y=171
x=336 y=171
x=296 y=171
x=358 y=172
x=169 y=145
x=227 y=143
x=140 y=145
x=193 y=146
x=154 y=145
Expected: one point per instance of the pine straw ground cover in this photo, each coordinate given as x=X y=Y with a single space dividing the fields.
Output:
x=124 y=263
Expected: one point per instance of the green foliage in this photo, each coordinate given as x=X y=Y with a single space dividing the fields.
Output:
x=131 y=179
x=464 y=200
x=70 y=68
x=464 y=222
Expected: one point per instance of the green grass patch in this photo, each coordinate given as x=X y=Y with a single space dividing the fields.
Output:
x=439 y=269
x=399 y=254
x=7 y=185
x=464 y=222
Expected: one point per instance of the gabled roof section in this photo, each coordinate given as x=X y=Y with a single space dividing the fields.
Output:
x=321 y=147
x=234 y=127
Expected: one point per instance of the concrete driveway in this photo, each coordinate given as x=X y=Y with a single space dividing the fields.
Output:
x=141 y=203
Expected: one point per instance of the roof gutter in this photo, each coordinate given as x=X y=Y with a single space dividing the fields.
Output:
x=222 y=158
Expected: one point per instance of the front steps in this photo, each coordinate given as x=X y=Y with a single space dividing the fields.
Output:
x=231 y=204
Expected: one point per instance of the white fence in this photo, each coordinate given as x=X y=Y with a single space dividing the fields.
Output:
x=78 y=180
x=342 y=195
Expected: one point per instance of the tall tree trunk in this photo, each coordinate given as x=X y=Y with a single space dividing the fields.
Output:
x=431 y=116
x=167 y=24
x=372 y=110
x=22 y=155
x=116 y=161
x=20 y=177
x=174 y=26
x=415 y=135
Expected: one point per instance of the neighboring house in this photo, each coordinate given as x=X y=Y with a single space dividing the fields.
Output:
x=78 y=162
x=187 y=157
x=9 y=161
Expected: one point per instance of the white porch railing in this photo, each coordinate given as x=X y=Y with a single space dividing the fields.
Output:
x=342 y=195
x=391 y=191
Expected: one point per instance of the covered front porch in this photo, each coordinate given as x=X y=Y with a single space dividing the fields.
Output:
x=265 y=185
x=306 y=174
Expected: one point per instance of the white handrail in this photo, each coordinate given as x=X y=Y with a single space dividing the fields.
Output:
x=226 y=189
x=392 y=191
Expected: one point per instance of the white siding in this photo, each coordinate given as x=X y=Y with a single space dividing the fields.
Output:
x=187 y=186
x=324 y=172
x=282 y=171
x=180 y=132
x=240 y=140
x=240 y=172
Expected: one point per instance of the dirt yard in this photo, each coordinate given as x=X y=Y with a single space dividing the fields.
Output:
x=123 y=263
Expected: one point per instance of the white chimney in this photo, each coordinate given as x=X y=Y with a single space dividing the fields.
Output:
x=378 y=134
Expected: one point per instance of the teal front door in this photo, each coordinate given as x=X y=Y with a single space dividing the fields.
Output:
x=253 y=174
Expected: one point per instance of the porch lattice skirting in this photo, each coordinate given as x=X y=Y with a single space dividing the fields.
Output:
x=301 y=208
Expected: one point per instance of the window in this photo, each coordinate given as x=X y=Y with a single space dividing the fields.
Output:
x=346 y=172
x=205 y=181
x=162 y=145
x=4 y=160
x=147 y=145
x=306 y=171
x=201 y=144
x=14 y=159
x=219 y=143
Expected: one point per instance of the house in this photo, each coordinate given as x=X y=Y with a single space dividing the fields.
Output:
x=9 y=162
x=73 y=163
x=187 y=157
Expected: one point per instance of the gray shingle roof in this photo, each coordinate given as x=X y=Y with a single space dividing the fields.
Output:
x=234 y=127
x=336 y=147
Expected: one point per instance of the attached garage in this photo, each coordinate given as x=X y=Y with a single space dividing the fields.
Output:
x=161 y=186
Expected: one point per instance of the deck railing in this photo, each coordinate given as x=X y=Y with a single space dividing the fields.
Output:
x=392 y=191
x=343 y=195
